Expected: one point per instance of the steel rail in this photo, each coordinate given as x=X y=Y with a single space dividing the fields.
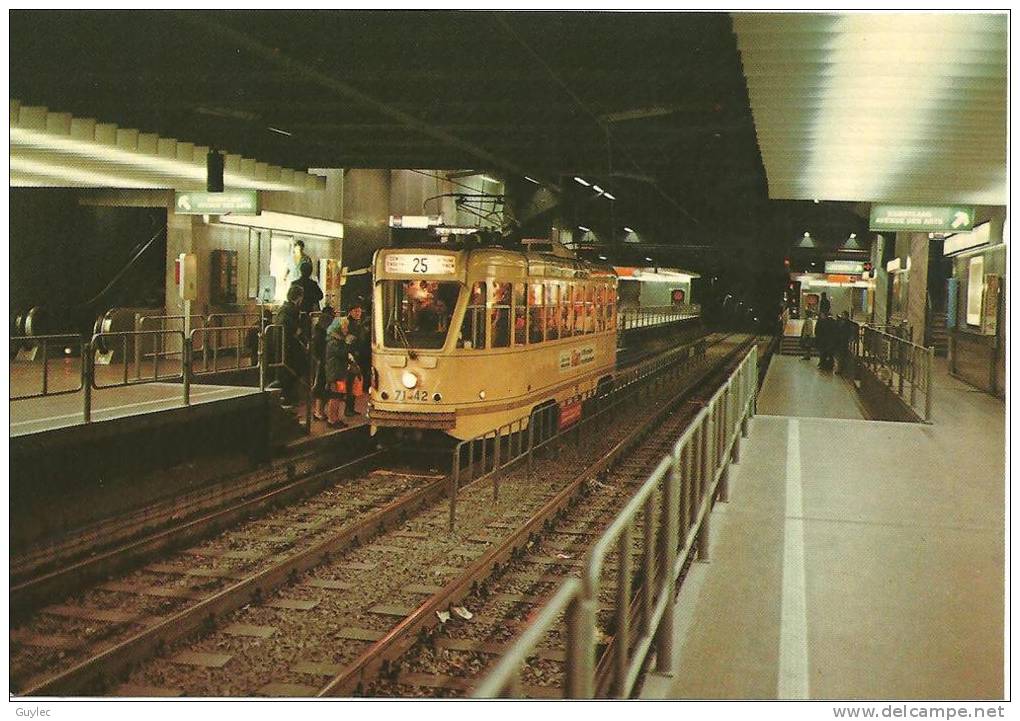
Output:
x=401 y=637
x=114 y=661
x=26 y=596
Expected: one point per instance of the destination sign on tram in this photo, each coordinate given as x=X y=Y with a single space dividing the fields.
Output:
x=420 y=264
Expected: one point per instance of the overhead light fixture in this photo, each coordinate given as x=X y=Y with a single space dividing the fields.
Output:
x=582 y=181
x=629 y=230
x=807 y=235
x=489 y=179
x=531 y=180
x=602 y=257
x=597 y=189
x=649 y=260
x=586 y=230
x=853 y=235
x=609 y=195
x=278 y=131
x=287 y=223
x=74 y=155
x=817 y=201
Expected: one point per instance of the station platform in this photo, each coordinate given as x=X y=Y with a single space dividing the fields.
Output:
x=47 y=413
x=855 y=559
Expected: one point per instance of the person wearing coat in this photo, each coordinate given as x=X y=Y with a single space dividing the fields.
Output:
x=319 y=354
x=339 y=359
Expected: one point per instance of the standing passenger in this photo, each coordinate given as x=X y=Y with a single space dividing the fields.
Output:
x=826 y=334
x=319 y=354
x=361 y=351
x=337 y=360
x=807 y=333
x=288 y=317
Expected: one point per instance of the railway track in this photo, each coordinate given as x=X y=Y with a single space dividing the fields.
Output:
x=145 y=614
x=451 y=659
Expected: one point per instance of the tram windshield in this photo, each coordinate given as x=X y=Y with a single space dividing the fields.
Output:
x=417 y=313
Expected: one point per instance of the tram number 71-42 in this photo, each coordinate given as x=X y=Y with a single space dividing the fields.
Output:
x=415 y=395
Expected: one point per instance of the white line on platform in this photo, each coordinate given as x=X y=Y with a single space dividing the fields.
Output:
x=793 y=647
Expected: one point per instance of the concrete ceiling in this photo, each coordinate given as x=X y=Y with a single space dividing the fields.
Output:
x=879 y=107
x=650 y=106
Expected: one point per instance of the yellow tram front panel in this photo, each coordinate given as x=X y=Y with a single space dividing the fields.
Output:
x=465 y=341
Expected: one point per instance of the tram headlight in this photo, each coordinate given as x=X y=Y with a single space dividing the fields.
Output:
x=409 y=379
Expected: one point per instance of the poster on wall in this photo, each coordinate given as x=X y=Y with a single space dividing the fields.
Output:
x=975 y=288
x=990 y=309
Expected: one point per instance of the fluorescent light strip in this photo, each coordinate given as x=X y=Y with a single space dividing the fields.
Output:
x=287 y=223
x=145 y=163
x=582 y=181
x=531 y=180
x=629 y=230
x=63 y=175
x=610 y=196
x=586 y=230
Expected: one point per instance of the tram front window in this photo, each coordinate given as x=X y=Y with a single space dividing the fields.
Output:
x=417 y=313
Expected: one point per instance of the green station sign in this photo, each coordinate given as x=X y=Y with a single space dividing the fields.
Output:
x=922 y=218
x=242 y=202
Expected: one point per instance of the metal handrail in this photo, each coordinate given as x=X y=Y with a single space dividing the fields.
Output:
x=542 y=430
x=43 y=342
x=241 y=332
x=650 y=316
x=691 y=478
x=898 y=363
x=135 y=335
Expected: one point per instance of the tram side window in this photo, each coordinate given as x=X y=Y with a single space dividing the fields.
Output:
x=552 y=311
x=566 y=314
x=600 y=308
x=610 y=308
x=589 y=308
x=536 y=313
x=520 y=313
x=500 y=315
x=580 y=317
x=472 y=330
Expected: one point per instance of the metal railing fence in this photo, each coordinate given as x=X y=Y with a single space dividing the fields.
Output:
x=517 y=441
x=652 y=316
x=670 y=513
x=905 y=367
x=44 y=343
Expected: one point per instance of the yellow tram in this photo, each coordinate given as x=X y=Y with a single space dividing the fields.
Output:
x=466 y=340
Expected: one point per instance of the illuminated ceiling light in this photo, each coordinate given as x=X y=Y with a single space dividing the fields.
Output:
x=582 y=181
x=602 y=257
x=901 y=82
x=597 y=189
x=531 y=180
x=287 y=223
x=278 y=131
x=853 y=235
x=55 y=174
x=629 y=230
x=586 y=230
x=649 y=260
x=807 y=235
x=174 y=172
x=609 y=195
x=817 y=201
x=489 y=179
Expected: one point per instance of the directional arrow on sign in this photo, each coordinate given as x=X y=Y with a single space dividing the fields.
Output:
x=960 y=219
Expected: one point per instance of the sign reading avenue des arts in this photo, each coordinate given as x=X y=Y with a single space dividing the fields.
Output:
x=922 y=219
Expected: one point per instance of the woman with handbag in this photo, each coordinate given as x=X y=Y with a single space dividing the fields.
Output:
x=338 y=360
